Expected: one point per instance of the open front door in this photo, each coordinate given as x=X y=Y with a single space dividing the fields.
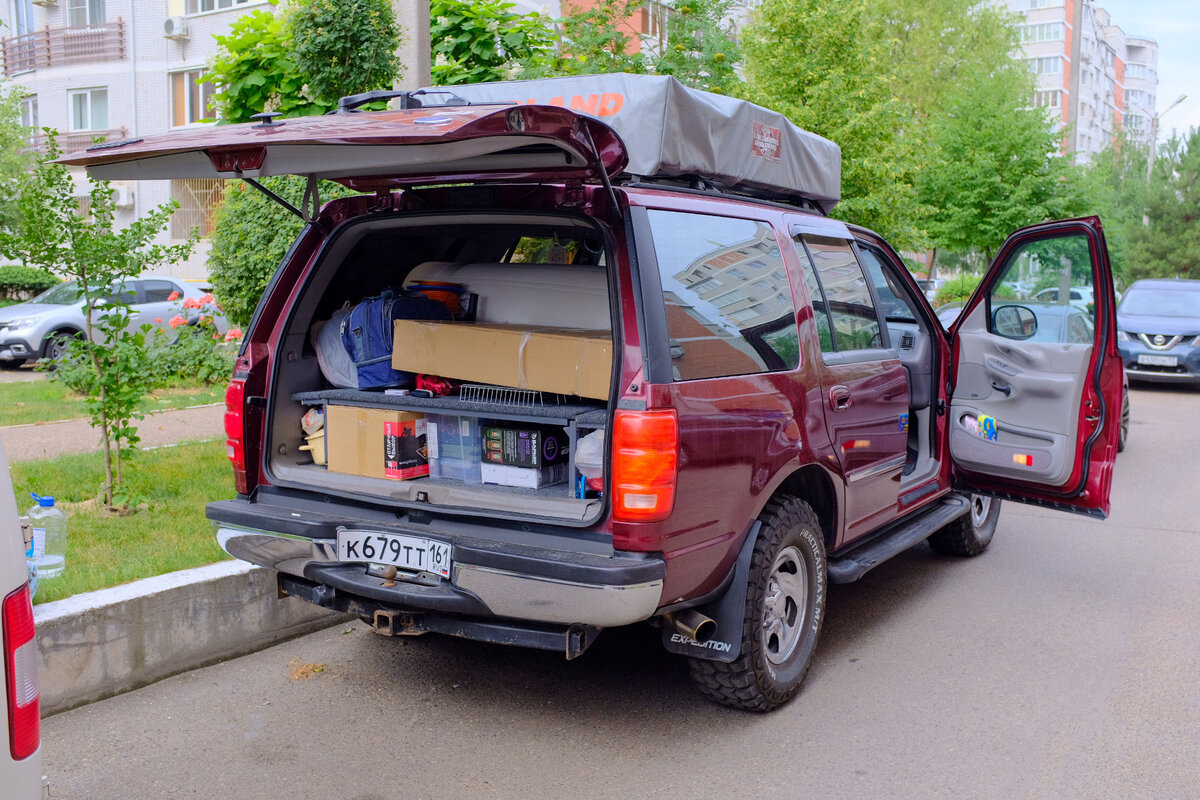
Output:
x=1036 y=390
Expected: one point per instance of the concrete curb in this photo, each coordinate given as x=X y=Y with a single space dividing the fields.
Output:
x=100 y=644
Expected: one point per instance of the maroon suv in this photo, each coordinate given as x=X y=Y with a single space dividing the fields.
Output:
x=670 y=388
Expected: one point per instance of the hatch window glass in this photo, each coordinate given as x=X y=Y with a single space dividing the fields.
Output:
x=729 y=304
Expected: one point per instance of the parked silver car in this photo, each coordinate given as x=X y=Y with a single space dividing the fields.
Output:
x=41 y=327
x=21 y=756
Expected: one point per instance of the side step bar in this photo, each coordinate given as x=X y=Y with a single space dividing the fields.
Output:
x=859 y=560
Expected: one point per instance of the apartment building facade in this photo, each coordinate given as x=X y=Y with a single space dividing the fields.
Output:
x=1093 y=77
x=117 y=69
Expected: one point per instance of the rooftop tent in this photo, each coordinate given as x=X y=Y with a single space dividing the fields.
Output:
x=670 y=130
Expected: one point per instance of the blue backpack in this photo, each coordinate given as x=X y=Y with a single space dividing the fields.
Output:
x=366 y=332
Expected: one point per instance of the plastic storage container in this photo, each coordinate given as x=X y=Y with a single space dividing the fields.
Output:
x=49 y=548
x=454 y=447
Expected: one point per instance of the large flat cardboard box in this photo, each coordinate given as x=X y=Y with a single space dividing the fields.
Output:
x=375 y=442
x=559 y=360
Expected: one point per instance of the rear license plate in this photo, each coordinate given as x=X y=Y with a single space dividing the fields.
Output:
x=403 y=552
x=1158 y=361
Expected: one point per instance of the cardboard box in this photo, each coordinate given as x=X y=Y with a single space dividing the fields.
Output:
x=524 y=477
x=525 y=446
x=559 y=360
x=357 y=442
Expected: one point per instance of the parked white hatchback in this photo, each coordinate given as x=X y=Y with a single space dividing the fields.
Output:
x=21 y=760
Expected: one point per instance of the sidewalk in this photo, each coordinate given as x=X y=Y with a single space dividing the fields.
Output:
x=49 y=439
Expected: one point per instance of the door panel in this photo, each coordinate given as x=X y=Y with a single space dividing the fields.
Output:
x=1036 y=391
x=1032 y=391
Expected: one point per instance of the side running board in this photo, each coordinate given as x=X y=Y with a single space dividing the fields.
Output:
x=852 y=564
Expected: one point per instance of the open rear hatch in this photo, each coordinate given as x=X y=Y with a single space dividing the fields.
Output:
x=372 y=150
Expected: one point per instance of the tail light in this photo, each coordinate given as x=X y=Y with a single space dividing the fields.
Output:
x=20 y=669
x=235 y=435
x=644 y=467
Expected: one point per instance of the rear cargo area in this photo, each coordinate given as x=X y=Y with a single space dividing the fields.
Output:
x=496 y=405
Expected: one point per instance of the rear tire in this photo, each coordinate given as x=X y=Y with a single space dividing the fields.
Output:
x=785 y=603
x=970 y=534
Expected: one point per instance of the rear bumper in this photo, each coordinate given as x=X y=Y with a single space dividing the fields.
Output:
x=524 y=580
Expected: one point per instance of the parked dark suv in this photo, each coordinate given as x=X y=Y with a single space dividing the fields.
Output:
x=673 y=390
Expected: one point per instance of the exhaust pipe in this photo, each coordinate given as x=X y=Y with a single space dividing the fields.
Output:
x=692 y=624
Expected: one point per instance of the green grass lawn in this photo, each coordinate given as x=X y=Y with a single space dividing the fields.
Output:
x=169 y=532
x=28 y=402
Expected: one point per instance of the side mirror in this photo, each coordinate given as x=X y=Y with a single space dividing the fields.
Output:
x=1014 y=322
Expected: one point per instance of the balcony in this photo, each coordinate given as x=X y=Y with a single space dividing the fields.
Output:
x=52 y=47
x=71 y=142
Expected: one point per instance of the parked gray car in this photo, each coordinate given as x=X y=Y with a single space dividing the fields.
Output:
x=1158 y=330
x=41 y=327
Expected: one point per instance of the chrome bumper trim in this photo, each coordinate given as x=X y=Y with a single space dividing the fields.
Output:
x=506 y=594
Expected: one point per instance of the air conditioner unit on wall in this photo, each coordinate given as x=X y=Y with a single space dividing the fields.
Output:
x=122 y=196
x=175 y=28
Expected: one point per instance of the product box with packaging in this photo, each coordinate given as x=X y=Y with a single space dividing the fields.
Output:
x=454 y=447
x=524 y=477
x=560 y=360
x=524 y=446
x=375 y=442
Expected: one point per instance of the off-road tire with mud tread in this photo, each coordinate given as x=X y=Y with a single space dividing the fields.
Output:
x=789 y=539
x=970 y=534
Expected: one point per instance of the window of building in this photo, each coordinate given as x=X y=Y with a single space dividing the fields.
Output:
x=23 y=16
x=845 y=294
x=29 y=111
x=191 y=101
x=747 y=327
x=198 y=199
x=1048 y=99
x=1047 y=65
x=81 y=13
x=204 y=6
x=654 y=19
x=89 y=109
x=1042 y=32
x=1035 y=4
x=1136 y=71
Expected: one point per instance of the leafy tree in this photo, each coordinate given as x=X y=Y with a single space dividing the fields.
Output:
x=594 y=39
x=475 y=42
x=927 y=103
x=1168 y=245
x=251 y=234
x=255 y=71
x=13 y=160
x=321 y=52
x=828 y=66
x=344 y=47
x=111 y=365
x=700 y=50
x=993 y=167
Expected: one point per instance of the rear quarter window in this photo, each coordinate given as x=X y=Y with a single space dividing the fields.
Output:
x=728 y=301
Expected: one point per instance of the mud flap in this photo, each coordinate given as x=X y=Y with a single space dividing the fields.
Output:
x=728 y=611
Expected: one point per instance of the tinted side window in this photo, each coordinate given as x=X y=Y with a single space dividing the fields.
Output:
x=851 y=308
x=729 y=305
x=159 y=291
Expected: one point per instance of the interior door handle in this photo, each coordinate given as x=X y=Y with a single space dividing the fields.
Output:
x=839 y=398
x=1004 y=388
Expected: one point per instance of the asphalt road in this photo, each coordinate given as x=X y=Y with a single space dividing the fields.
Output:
x=1062 y=663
